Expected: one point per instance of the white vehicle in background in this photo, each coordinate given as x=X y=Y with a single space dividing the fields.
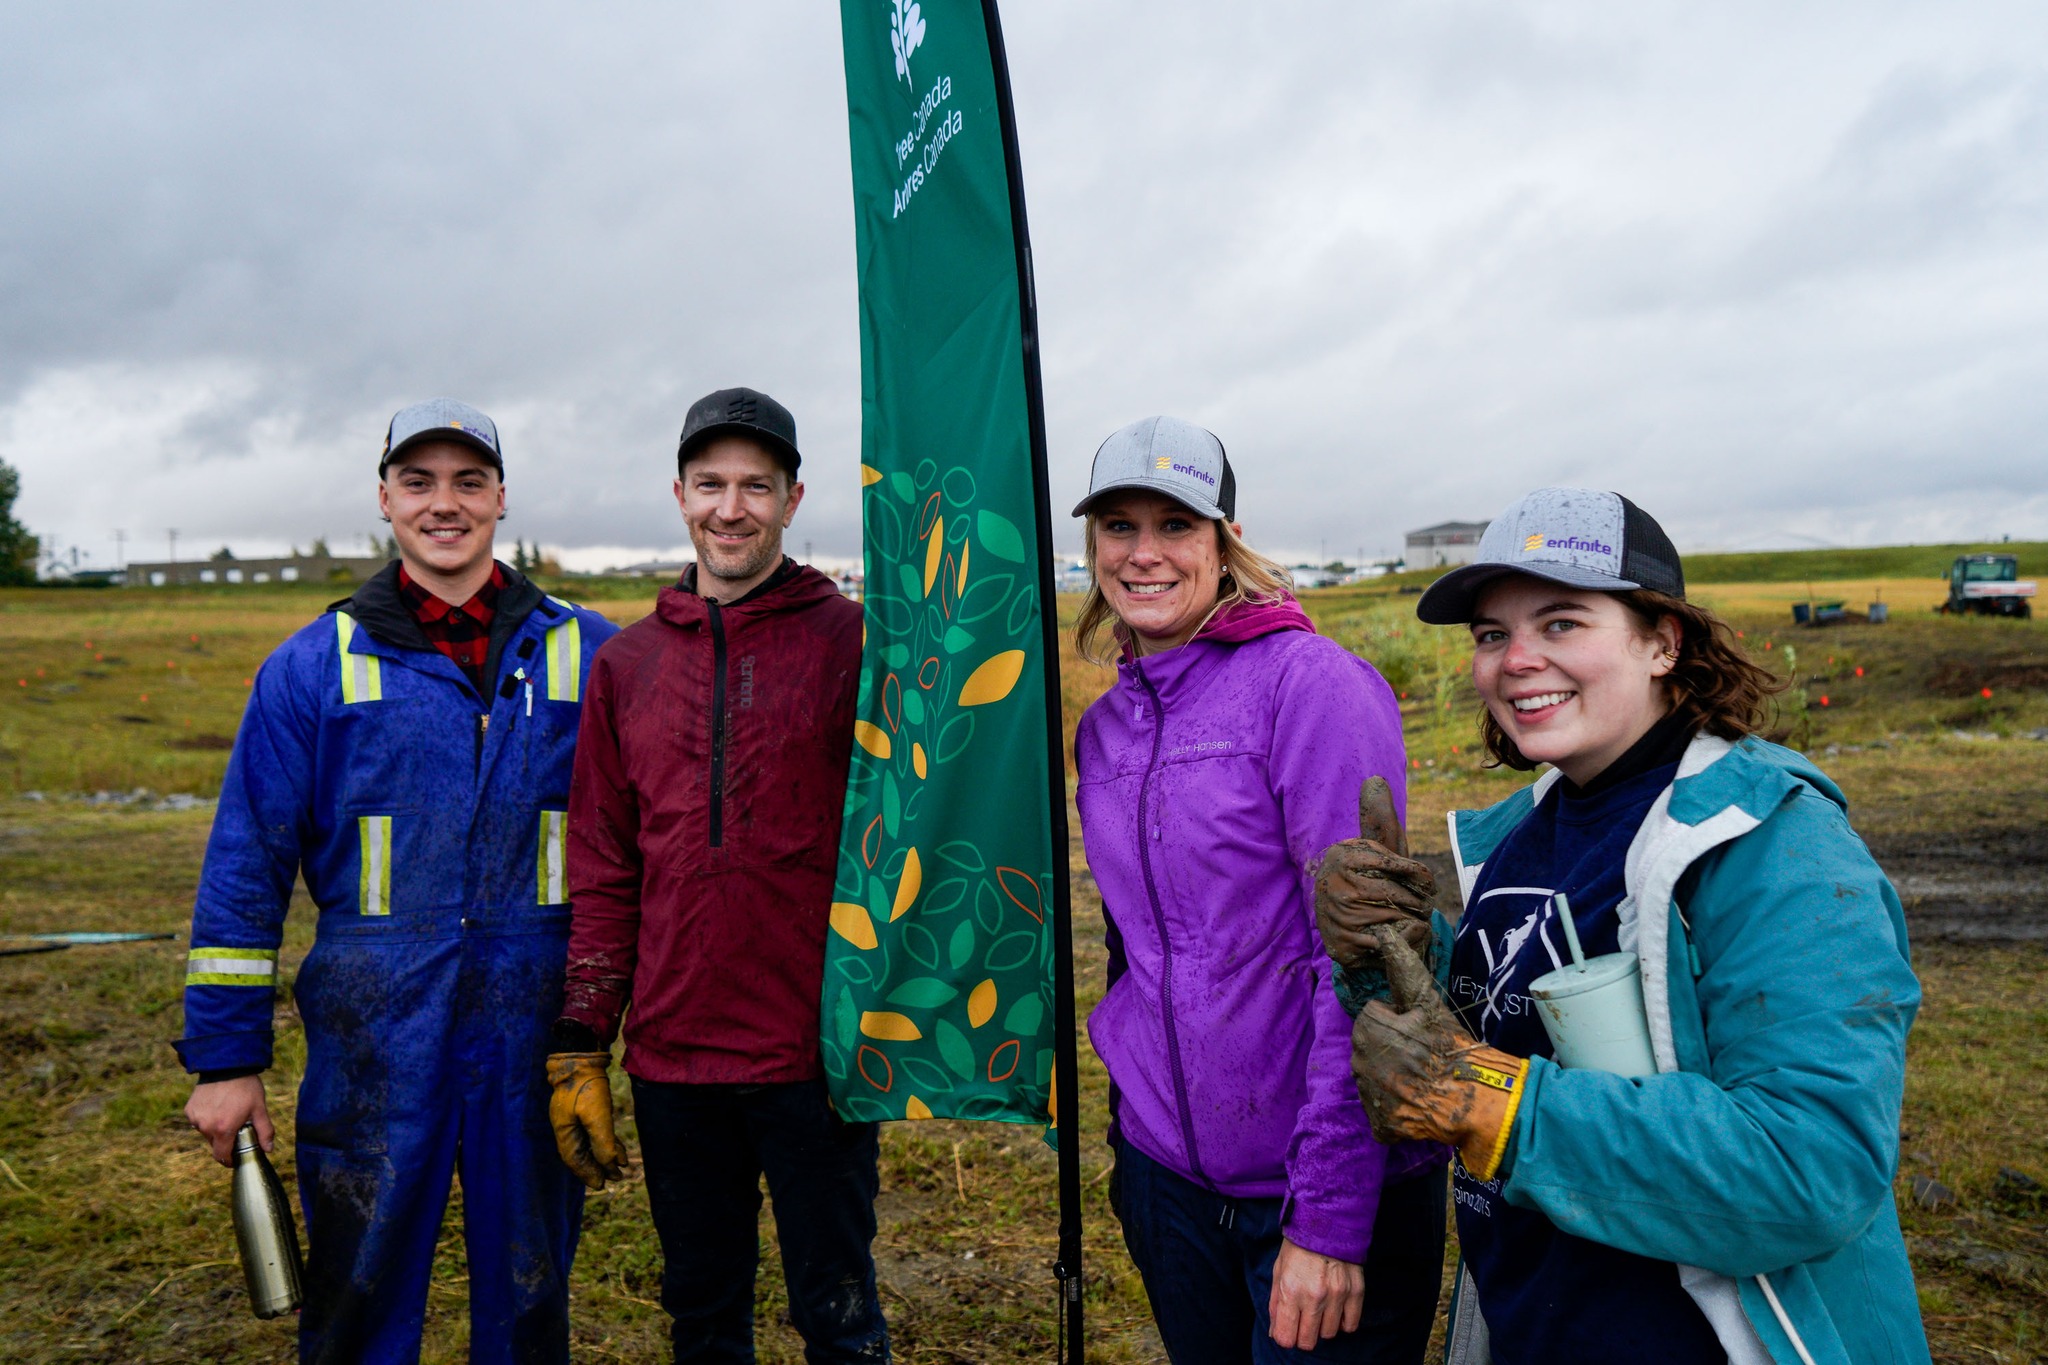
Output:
x=1989 y=585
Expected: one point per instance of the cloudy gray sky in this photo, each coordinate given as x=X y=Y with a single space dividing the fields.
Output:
x=1780 y=273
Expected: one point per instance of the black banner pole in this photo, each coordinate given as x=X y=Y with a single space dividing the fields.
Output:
x=1066 y=1045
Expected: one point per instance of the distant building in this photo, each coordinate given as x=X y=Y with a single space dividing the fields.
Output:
x=1446 y=543
x=344 y=569
x=653 y=568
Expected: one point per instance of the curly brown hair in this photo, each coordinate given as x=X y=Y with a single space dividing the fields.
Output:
x=1715 y=683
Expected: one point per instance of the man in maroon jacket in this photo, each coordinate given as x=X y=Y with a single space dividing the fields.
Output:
x=703 y=830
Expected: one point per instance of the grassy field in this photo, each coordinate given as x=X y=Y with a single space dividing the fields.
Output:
x=120 y=1248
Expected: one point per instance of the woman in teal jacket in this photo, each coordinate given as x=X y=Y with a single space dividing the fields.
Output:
x=1736 y=1206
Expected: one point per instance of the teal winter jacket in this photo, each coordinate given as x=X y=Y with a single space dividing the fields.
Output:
x=1778 y=993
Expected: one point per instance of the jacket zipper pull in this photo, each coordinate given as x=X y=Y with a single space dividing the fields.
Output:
x=520 y=673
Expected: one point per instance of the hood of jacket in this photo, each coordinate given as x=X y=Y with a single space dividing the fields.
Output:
x=791 y=588
x=378 y=609
x=1239 y=622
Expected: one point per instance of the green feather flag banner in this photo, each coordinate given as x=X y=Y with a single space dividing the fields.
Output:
x=943 y=965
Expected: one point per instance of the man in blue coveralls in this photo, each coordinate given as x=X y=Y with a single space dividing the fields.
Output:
x=409 y=753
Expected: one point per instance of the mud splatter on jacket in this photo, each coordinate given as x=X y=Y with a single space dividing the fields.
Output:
x=370 y=768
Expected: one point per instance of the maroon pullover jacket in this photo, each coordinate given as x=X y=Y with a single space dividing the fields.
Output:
x=704 y=830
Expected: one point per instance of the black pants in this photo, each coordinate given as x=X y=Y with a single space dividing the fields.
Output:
x=1207 y=1262
x=705 y=1148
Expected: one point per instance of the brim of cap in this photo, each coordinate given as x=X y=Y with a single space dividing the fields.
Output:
x=451 y=434
x=1208 y=511
x=768 y=441
x=1453 y=600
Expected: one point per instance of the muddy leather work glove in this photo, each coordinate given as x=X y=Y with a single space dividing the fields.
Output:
x=1422 y=1076
x=581 y=1113
x=1366 y=882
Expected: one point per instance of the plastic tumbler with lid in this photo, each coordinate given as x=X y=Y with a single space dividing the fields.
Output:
x=1593 y=1009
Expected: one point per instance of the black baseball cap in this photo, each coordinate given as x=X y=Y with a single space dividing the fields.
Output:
x=740 y=412
x=1574 y=536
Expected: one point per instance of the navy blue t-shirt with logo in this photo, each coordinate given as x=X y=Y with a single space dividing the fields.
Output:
x=1550 y=1298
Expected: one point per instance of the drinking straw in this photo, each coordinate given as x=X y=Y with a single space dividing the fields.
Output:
x=1571 y=931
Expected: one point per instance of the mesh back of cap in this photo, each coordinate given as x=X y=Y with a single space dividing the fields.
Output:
x=1647 y=554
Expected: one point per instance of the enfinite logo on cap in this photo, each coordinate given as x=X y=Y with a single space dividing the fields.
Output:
x=1162 y=463
x=1539 y=541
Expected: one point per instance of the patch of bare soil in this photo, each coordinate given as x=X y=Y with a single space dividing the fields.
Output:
x=1989 y=886
x=1968 y=677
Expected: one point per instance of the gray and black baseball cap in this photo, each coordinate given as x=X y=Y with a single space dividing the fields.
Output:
x=1573 y=536
x=442 y=419
x=1165 y=455
x=740 y=412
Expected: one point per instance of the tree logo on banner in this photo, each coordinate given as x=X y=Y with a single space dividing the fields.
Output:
x=906 y=31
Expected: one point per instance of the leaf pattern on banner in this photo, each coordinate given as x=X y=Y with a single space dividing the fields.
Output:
x=937 y=961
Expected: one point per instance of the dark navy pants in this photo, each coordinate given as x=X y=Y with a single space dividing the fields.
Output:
x=705 y=1149
x=1207 y=1262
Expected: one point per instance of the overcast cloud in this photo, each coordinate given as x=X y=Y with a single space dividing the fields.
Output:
x=1780 y=273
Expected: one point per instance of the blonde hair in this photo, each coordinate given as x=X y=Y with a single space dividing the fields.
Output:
x=1248 y=576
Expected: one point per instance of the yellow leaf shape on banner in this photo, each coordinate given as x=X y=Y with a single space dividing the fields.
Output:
x=1052 y=1095
x=917 y=763
x=915 y=1108
x=994 y=679
x=981 y=1003
x=934 y=548
x=893 y=1028
x=871 y=737
x=961 y=587
x=869 y=476
x=851 y=923
x=906 y=889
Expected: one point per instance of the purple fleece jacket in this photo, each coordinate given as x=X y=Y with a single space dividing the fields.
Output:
x=1212 y=778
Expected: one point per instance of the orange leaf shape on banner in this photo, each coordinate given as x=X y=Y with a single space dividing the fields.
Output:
x=851 y=923
x=1010 y=879
x=935 y=548
x=906 y=889
x=889 y=1026
x=860 y=1060
x=994 y=679
x=871 y=737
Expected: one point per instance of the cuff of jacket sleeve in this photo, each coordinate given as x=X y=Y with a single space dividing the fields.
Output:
x=1341 y=1234
x=570 y=1035
x=248 y=1052
x=233 y=1073
x=1518 y=1127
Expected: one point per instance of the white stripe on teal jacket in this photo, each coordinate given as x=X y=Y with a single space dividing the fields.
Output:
x=1779 y=992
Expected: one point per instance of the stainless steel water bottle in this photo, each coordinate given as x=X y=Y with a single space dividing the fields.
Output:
x=263 y=1226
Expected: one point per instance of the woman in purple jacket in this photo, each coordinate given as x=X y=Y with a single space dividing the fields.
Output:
x=1267 y=1222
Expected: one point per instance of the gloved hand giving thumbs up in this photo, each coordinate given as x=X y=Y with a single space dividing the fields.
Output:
x=1371 y=881
x=1422 y=1076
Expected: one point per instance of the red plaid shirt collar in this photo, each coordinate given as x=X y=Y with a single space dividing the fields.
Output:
x=463 y=633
